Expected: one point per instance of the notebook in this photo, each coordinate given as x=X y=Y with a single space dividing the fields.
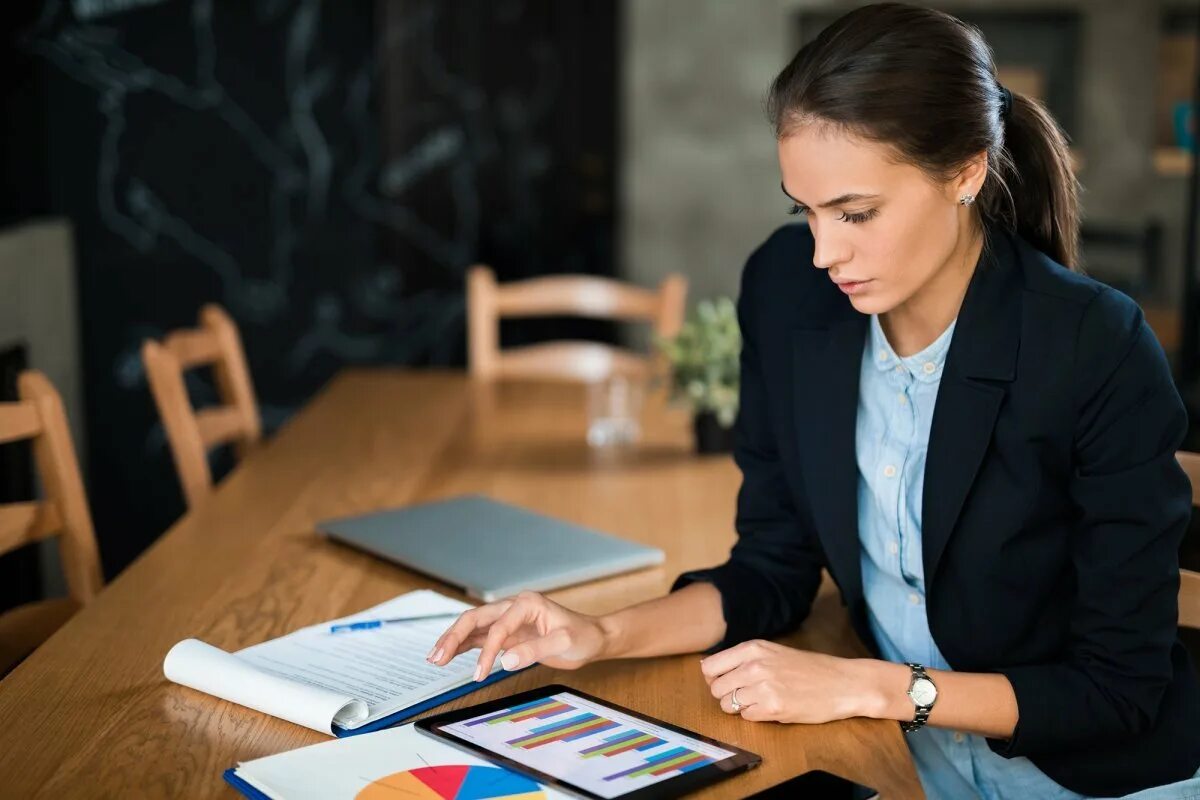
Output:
x=339 y=683
x=396 y=763
x=490 y=549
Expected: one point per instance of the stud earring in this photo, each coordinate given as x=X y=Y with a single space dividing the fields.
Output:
x=966 y=200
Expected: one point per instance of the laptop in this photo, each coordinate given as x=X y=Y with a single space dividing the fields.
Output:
x=489 y=549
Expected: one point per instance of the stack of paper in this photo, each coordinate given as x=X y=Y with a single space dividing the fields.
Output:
x=338 y=683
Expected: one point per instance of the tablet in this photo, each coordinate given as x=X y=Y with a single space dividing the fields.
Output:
x=589 y=747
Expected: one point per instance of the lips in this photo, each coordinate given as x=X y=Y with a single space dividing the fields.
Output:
x=851 y=286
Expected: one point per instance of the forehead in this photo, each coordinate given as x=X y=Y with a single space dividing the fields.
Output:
x=819 y=162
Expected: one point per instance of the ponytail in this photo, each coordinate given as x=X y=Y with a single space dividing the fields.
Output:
x=1031 y=188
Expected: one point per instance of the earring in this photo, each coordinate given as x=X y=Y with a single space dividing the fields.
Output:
x=966 y=200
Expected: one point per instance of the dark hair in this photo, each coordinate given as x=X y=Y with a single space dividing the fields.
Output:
x=923 y=83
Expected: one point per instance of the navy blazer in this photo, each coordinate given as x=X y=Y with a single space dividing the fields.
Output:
x=1053 y=505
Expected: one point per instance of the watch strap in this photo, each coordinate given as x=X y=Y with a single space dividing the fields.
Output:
x=921 y=714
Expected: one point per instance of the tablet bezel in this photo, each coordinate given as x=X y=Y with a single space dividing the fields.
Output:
x=741 y=760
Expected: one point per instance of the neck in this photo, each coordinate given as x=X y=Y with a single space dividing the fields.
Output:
x=918 y=321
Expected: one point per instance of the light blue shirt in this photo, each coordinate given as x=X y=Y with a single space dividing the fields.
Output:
x=895 y=409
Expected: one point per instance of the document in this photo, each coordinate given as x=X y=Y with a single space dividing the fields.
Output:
x=394 y=763
x=320 y=679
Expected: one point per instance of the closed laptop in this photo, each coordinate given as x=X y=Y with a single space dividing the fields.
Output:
x=490 y=549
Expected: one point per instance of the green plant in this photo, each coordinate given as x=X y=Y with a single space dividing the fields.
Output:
x=704 y=360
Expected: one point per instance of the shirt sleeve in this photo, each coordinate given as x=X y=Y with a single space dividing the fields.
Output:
x=774 y=570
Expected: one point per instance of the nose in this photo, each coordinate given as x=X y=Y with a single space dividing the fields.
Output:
x=828 y=251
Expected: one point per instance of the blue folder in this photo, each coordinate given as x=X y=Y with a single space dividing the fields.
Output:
x=411 y=711
x=403 y=715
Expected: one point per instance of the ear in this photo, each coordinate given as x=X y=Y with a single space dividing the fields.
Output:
x=970 y=178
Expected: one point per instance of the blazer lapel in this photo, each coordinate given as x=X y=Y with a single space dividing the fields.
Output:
x=825 y=378
x=981 y=360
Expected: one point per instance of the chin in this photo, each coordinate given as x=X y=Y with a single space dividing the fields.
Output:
x=868 y=304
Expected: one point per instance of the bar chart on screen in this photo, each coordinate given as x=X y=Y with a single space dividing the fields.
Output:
x=597 y=748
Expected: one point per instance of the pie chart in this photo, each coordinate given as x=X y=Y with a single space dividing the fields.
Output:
x=453 y=782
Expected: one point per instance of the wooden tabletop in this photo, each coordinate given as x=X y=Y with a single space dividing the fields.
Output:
x=90 y=714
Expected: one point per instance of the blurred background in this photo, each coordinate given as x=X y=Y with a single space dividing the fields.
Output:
x=328 y=171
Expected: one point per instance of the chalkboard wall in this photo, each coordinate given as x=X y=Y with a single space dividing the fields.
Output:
x=324 y=170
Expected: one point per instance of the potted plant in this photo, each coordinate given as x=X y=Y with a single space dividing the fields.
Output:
x=703 y=358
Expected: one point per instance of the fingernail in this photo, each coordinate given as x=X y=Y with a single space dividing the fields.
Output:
x=437 y=656
x=479 y=672
x=510 y=661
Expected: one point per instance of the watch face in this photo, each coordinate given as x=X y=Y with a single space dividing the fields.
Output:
x=923 y=692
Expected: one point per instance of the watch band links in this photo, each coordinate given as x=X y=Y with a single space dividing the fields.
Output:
x=921 y=714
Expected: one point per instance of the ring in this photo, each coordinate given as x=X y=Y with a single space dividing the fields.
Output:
x=733 y=701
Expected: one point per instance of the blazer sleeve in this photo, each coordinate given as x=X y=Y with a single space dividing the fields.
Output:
x=774 y=570
x=1134 y=503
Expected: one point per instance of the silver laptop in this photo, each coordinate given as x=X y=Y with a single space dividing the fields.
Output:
x=490 y=549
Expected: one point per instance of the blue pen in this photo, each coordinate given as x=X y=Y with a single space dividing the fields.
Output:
x=369 y=624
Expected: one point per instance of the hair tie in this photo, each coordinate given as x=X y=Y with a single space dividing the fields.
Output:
x=1005 y=102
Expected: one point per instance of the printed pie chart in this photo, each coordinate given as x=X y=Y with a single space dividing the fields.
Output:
x=453 y=782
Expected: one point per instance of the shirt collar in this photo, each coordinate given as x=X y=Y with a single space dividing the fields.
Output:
x=925 y=366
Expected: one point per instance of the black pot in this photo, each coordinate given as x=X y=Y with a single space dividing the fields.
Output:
x=711 y=437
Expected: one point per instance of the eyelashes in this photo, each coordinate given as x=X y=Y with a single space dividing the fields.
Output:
x=860 y=217
x=855 y=219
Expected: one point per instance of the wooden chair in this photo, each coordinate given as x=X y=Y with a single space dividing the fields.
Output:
x=575 y=295
x=39 y=416
x=1189 y=581
x=190 y=432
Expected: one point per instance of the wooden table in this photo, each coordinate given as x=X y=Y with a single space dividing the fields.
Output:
x=90 y=714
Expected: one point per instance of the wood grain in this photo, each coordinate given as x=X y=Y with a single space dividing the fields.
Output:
x=90 y=715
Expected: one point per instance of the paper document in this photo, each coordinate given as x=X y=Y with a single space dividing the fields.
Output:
x=392 y=763
x=320 y=679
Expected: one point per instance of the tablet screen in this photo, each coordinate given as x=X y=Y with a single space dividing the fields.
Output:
x=586 y=744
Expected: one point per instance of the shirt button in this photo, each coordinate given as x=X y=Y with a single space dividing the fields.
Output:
x=889 y=471
x=883 y=355
x=903 y=400
x=893 y=548
x=899 y=368
x=929 y=368
x=958 y=737
x=915 y=599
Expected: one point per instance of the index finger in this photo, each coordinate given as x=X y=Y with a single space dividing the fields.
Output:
x=729 y=659
x=447 y=645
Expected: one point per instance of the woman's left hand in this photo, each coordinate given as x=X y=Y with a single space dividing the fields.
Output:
x=782 y=684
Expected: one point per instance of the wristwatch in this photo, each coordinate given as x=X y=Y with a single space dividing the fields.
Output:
x=923 y=693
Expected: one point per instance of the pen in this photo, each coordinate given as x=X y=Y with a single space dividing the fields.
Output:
x=368 y=624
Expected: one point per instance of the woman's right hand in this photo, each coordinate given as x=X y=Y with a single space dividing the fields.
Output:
x=528 y=628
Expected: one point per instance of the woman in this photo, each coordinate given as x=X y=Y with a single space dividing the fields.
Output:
x=976 y=441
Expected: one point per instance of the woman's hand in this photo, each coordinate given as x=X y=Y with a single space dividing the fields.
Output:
x=528 y=628
x=782 y=684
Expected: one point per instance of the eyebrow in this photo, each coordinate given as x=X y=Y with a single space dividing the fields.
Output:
x=852 y=197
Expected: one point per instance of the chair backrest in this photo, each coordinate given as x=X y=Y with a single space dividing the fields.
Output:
x=574 y=295
x=39 y=416
x=1189 y=581
x=191 y=432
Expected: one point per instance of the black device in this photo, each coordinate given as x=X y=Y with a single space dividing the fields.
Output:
x=589 y=747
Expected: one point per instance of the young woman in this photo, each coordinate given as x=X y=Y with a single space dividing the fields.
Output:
x=974 y=439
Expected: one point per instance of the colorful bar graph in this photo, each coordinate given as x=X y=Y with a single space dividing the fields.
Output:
x=547 y=707
x=622 y=743
x=568 y=731
x=676 y=759
x=558 y=730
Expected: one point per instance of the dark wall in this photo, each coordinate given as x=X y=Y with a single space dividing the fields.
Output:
x=326 y=171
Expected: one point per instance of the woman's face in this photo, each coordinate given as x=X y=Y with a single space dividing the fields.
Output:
x=883 y=230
